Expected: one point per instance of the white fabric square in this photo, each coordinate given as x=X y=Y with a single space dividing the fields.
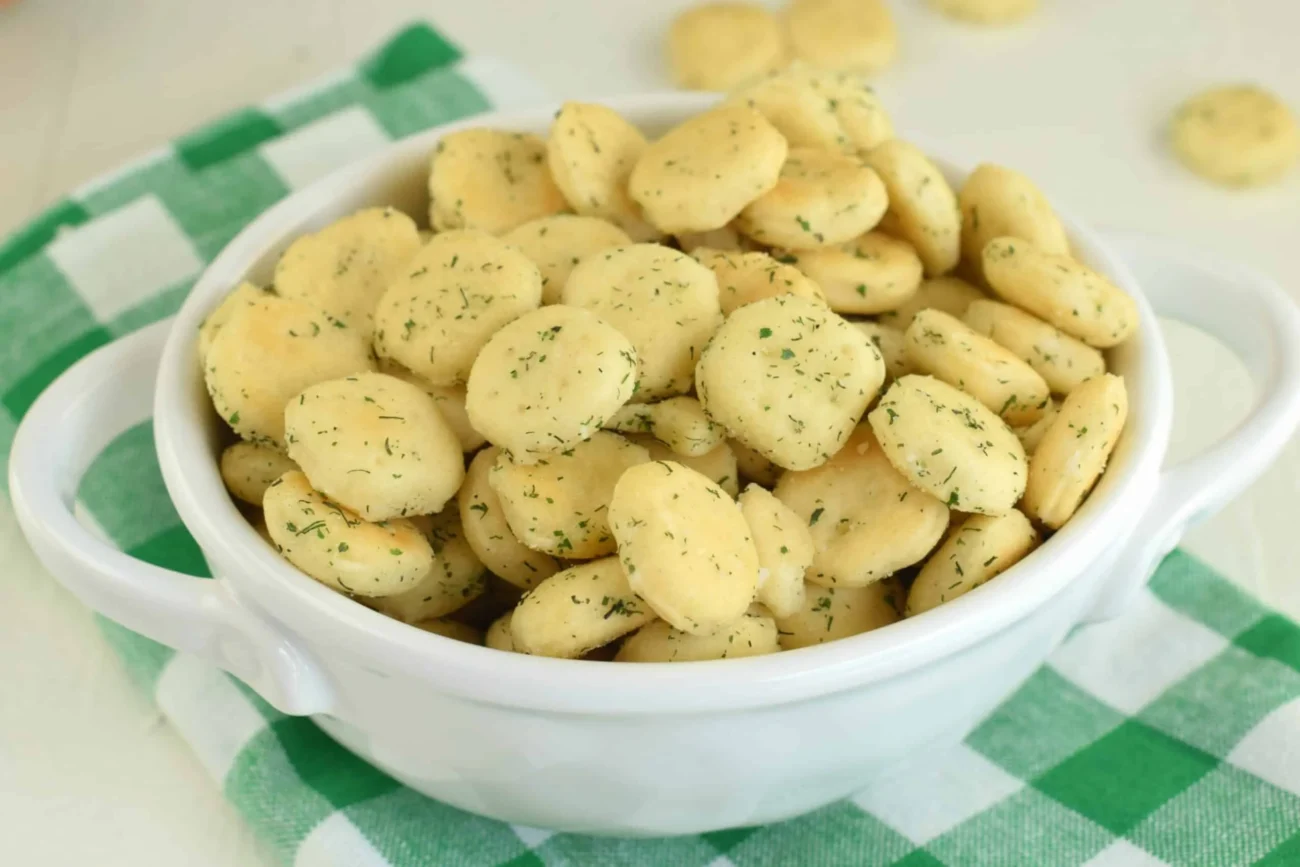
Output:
x=214 y=718
x=501 y=83
x=336 y=842
x=928 y=797
x=126 y=257
x=1122 y=853
x=315 y=150
x=532 y=837
x=1271 y=750
x=1129 y=661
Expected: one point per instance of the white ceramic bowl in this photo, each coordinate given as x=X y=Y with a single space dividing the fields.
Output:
x=628 y=749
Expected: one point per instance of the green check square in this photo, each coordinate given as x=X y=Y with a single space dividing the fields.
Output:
x=330 y=99
x=410 y=830
x=412 y=53
x=840 y=835
x=1045 y=721
x=437 y=98
x=1215 y=706
x=1190 y=829
x=1187 y=585
x=1027 y=828
x=44 y=328
x=227 y=138
x=1286 y=854
x=569 y=850
x=123 y=490
x=726 y=840
x=1125 y=775
x=336 y=774
x=1273 y=637
x=32 y=238
x=263 y=784
x=159 y=306
x=210 y=204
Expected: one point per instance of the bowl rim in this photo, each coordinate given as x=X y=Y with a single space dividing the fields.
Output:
x=328 y=623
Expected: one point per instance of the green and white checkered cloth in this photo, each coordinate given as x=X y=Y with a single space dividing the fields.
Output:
x=1170 y=736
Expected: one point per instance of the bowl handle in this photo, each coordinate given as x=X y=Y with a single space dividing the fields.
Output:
x=93 y=402
x=1254 y=318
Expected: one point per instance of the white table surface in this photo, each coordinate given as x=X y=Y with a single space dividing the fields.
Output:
x=1075 y=98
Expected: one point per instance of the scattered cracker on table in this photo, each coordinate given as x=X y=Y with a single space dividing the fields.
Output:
x=717 y=46
x=848 y=35
x=1238 y=135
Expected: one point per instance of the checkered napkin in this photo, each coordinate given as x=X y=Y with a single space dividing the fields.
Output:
x=1170 y=736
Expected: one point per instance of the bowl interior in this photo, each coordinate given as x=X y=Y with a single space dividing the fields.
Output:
x=190 y=437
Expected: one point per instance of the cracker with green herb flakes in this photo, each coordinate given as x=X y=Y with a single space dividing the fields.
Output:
x=451 y=403
x=1060 y=291
x=457 y=578
x=996 y=201
x=871 y=274
x=789 y=379
x=559 y=505
x=890 y=344
x=744 y=278
x=498 y=636
x=1032 y=435
x=248 y=469
x=345 y=267
x=457 y=292
x=662 y=300
x=591 y=150
x=241 y=296
x=752 y=466
x=922 y=206
x=483 y=521
x=950 y=445
x=577 y=610
x=556 y=244
x=1074 y=450
x=337 y=547
x=1239 y=135
x=549 y=380
x=684 y=546
x=849 y=35
x=832 y=613
x=1061 y=360
x=952 y=295
x=823 y=198
x=678 y=422
x=701 y=173
x=754 y=634
x=865 y=520
x=728 y=239
x=491 y=180
x=815 y=107
x=785 y=549
x=717 y=46
x=980 y=548
x=266 y=353
x=949 y=349
x=719 y=464
x=376 y=444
